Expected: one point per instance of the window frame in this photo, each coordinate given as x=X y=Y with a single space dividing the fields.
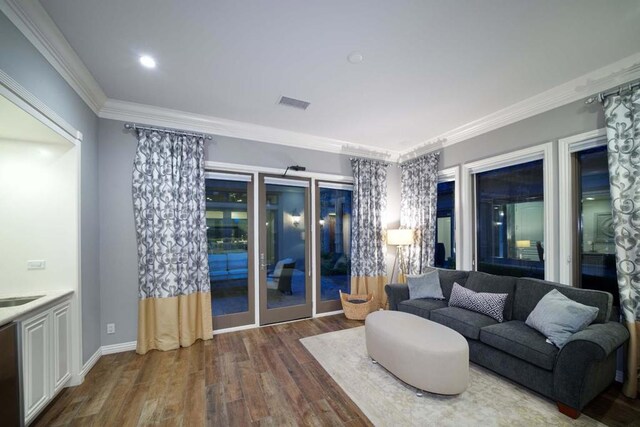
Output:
x=544 y=152
x=567 y=147
x=449 y=175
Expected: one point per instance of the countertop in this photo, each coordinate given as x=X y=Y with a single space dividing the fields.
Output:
x=8 y=314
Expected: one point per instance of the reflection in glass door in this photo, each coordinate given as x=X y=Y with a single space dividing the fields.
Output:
x=230 y=235
x=596 y=249
x=333 y=244
x=285 y=285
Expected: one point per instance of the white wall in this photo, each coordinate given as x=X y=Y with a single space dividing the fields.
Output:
x=39 y=215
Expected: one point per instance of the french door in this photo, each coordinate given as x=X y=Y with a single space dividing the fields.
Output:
x=230 y=235
x=284 y=248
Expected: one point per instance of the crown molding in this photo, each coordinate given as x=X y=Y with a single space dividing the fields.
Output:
x=165 y=117
x=605 y=78
x=38 y=27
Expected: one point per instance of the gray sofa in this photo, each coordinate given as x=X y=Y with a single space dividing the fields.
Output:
x=573 y=376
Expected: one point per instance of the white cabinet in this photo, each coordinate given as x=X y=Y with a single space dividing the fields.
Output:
x=46 y=357
x=36 y=352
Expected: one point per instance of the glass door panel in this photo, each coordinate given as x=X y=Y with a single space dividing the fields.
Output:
x=595 y=229
x=333 y=249
x=285 y=286
x=445 y=256
x=230 y=235
x=510 y=220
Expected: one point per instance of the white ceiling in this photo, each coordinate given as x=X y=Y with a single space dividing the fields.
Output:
x=429 y=65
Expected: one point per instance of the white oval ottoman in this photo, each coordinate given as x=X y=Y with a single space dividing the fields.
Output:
x=422 y=353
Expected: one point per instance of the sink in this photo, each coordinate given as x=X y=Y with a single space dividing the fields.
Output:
x=14 y=302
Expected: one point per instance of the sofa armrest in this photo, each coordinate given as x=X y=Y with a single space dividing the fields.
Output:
x=586 y=364
x=396 y=293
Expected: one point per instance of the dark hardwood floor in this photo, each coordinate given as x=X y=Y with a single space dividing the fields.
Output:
x=262 y=376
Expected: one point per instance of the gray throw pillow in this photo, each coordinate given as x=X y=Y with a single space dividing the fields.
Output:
x=557 y=317
x=425 y=286
x=486 y=303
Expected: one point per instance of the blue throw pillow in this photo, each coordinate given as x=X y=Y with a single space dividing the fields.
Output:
x=486 y=303
x=557 y=317
x=425 y=286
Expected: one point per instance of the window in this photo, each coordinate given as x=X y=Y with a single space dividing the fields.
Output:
x=510 y=215
x=596 y=247
x=445 y=226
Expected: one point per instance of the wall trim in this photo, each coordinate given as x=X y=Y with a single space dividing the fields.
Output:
x=37 y=26
x=118 y=348
x=607 y=77
x=165 y=117
x=566 y=147
x=542 y=152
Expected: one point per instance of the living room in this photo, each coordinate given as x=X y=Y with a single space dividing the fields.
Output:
x=325 y=151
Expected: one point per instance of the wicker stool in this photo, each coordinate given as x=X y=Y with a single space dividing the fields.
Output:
x=357 y=311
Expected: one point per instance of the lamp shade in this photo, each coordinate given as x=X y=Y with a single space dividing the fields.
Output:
x=399 y=237
x=523 y=244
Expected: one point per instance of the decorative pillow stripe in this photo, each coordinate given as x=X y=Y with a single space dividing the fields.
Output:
x=489 y=304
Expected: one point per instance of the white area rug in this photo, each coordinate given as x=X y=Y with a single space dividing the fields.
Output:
x=490 y=399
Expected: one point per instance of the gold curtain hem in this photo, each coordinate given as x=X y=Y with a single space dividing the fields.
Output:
x=370 y=285
x=170 y=323
x=630 y=387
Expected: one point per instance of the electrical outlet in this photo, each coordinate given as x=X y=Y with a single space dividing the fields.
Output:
x=36 y=264
x=111 y=328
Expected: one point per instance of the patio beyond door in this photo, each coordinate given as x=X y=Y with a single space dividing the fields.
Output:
x=285 y=249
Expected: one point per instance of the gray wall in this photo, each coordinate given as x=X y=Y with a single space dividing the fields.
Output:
x=118 y=256
x=23 y=63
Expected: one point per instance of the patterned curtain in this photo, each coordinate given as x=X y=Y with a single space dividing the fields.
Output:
x=368 y=261
x=418 y=208
x=174 y=309
x=622 y=114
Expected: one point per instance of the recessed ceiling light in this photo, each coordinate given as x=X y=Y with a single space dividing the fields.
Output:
x=355 y=57
x=147 y=61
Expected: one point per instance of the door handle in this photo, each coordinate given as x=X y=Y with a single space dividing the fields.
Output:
x=263 y=264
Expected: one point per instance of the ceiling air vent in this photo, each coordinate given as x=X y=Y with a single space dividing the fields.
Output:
x=295 y=103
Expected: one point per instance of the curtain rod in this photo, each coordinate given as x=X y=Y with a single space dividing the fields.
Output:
x=602 y=95
x=133 y=126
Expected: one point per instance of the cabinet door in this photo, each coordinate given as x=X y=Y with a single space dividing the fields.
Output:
x=36 y=364
x=61 y=346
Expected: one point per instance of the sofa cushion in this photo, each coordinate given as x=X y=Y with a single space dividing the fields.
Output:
x=237 y=260
x=519 y=340
x=487 y=303
x=557 y=317
x=449 y=277
x=425 y=285
x=421 y=307
x=468 y=323
x=530 y=291
x=483 y=282
x=218 y=262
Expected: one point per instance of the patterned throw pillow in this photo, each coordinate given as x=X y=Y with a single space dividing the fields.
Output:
x=485 y=303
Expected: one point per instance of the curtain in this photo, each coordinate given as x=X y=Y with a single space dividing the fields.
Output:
x=174 y=309
x=368 y=261
x=418 y=209
x=622 y=115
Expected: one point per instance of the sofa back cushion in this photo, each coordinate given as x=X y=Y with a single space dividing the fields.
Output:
x=218 y=262
x=530 y=291
x=237 y=260
x=484 y=282
x=449 y=277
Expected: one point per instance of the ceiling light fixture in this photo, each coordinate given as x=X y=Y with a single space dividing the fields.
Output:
x=147 y=61
x=355 y=57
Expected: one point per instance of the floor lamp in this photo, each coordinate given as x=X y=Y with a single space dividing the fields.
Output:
x=399 y=238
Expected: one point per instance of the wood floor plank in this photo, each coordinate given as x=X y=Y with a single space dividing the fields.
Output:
x=257 y=377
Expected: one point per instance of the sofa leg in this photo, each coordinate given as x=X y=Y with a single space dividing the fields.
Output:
x=568 y=410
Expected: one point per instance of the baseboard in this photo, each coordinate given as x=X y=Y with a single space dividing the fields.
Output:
x=619 y=376
x=119 y=348
x=330 y=313
x=79 y=378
